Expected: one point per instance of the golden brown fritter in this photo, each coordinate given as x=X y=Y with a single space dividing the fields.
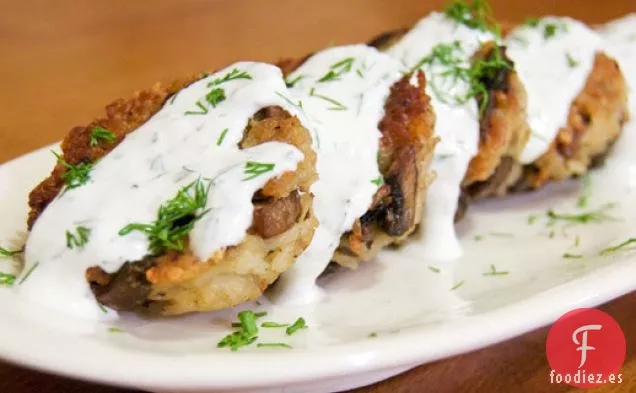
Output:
x=176 y=283
x=405 y=152
x=595 y=121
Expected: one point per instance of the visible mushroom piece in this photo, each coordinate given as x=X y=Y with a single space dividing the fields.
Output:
x=274 y=216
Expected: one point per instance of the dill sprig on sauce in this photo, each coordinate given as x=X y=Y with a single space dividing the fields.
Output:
x=76 y=174
x=77 y=240
x=338 y=69
x=274 y=345
x=101 y=134
x=614 y=249
x=245 y=336
x=296 y=326
x=175 y=219
x=28 y=273
x=291 y=83
x=7 y=279
x=4 y=252
x=453 y=61
x=476 y=15
x=254 y=169
x=217 y=95
x=572 y=63
x=494 y=272
x=338 y=106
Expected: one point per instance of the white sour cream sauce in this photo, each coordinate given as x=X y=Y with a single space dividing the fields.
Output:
x=551 y=80
x=168 y=152
x=345 y=112
x=456 y=125
x=620 y=43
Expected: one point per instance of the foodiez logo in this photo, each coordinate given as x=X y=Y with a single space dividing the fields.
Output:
x=586 y=348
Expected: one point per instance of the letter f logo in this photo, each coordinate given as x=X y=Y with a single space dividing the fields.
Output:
x=583 y=344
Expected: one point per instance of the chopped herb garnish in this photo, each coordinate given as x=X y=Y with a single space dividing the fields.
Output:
x=9 y=253
x=273 y=345
x=203 y=110
x=577 y=241
x=101 y=134
x=78 y=240
x=175 y=218
x=583 y=218
x=360 y=74
x=230 y=76
x=378 y=181
x=373 y=335
x=102 y=307
x=75 y=174
x=549 y=30
x=338 y=105
x=254 y=169
x=457 y=285
x=476 y=15
x=571 y=62
x=248 y=322
x=567 y=255
x=287 y=100
x=613 y=249
x=7 y=279
x=586 y=192
x=28 y=273
x=291 y=83
x=273 y=325
x=299 y=324
x=114 y=330
x=456 y=67
x=221 y=137
x=434 y=269
x=478 y=238
x=337 y=69
x=494 y=272
x=532 y=218
x=215 y=97
x=236 y=340
x=532 y=22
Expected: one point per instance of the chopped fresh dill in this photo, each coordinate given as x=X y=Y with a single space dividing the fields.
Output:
x=613 y=249
x=114 y=330
x=551 y=29
x=292 y=83
x=273 y=345
x=338 y=69
x=532 y=218
x=102 y=307
x=494 y=272
x=567 y=255
x=378 y=181
x=572 y=63
x=532 y=22
x=203 y=110
x=457 y=67
x=4 y=252
x=476 y=15
x=7 y=279
x=230 y=76
x=373 y=335
x=290 y=102
x=28 y=273
x=338 y=105
x=478 y=238
x=175 y=218
x=236 y=340
x=434 y=269
x=457 y=285
x=221 y=137
x=273 y=325
x=79 y=240
x=215 y=97
x=254 y=169
x=577 y=241
x=583 y=218
x=101 y=134
x=360 y=74
x=76 y=174
x=298 y=325
x=248 y=322
x=586 y=192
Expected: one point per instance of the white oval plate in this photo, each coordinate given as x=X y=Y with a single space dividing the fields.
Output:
x=412 y=310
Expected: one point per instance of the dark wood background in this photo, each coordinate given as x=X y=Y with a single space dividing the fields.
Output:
x=61 y=61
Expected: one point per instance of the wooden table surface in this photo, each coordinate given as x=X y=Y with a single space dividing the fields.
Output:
x=62 y=61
